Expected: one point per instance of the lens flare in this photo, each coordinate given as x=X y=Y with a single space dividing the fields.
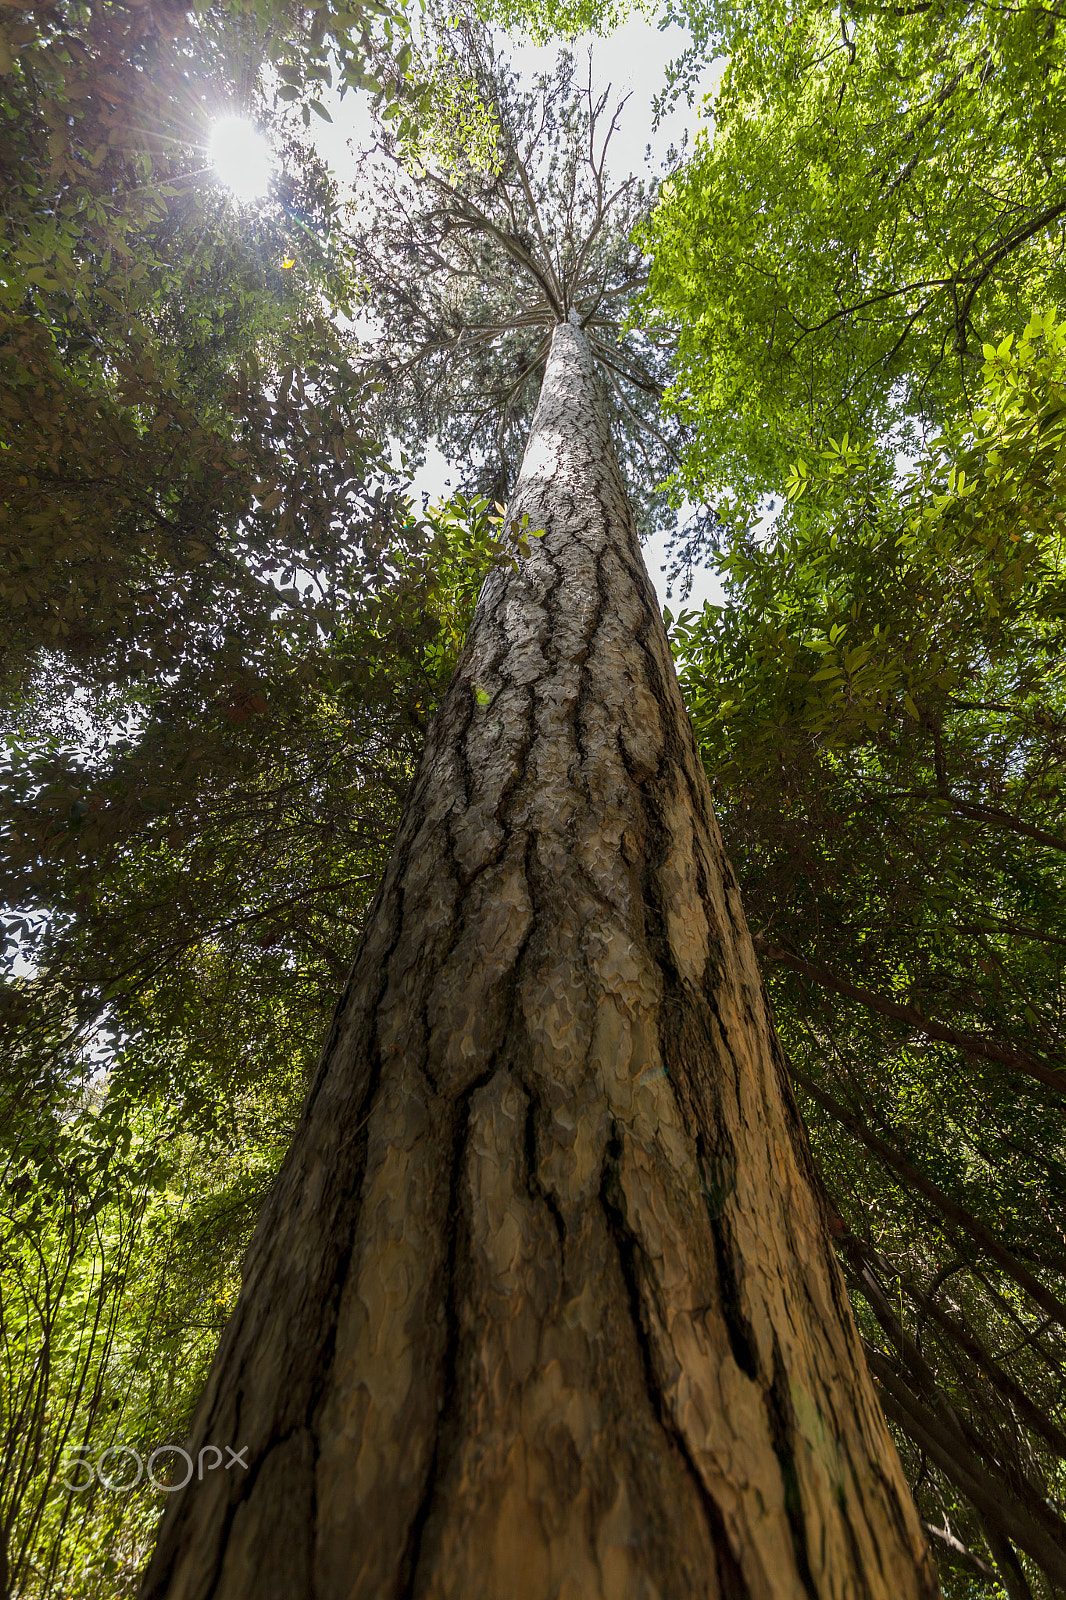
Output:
x=241 y=158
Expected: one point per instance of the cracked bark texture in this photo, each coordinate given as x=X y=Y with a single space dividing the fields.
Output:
x=543 y=1306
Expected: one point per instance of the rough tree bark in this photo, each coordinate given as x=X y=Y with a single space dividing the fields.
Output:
x=543 y=1306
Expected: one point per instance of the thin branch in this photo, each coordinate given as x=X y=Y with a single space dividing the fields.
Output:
x=972 y=1043
x=949 y=1209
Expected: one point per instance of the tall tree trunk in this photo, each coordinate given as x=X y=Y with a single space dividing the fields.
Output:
x=543 y=1304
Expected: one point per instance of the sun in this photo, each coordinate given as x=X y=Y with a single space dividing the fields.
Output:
x=241 y=158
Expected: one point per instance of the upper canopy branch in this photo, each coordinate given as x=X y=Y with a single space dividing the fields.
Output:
x=468 y=259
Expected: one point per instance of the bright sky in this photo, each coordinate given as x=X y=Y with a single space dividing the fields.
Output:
x=631 y=60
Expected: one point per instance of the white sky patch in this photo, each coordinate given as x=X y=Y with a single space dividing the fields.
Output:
x=706 y=584
x=343 y=143
x=633 y=61
x=432 y=481
x=765 y=525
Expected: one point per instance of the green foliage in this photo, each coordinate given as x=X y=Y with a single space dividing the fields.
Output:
x=148 y=466
x=871 y=601
x=559 y=19
x=877 y=193
x=451 y=129
x=119 y=1268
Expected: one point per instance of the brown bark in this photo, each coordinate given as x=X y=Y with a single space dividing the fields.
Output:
x=543 y=1304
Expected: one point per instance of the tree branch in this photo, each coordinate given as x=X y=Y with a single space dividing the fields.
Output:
x=949 y=1209
x=972 y=1043
x=963 y=1469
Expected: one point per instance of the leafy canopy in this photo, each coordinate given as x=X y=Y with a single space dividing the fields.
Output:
x=877 y=192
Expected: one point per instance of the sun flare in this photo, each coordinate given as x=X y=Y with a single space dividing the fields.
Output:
x=241 y=158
